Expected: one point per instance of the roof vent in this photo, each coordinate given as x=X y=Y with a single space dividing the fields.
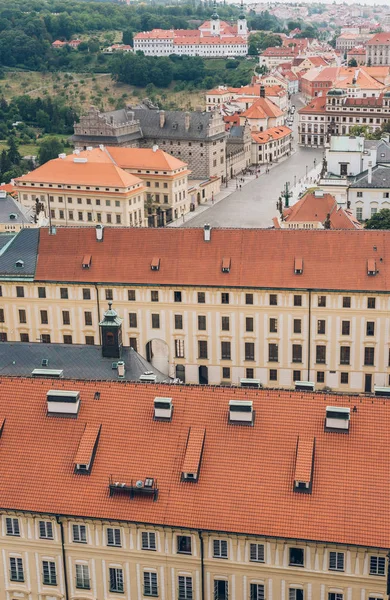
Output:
x=207 y=232
x=48 y=373
x=62 y=155
x=250 y=383
x=241 y=412
x=13 y=216
x=193 y=455
x=318 y=193
x=87 y=261
x=89 y=148
x=304 y=386
x=337 y=419
x=148 y=377
x=226 y=265
x=155 y=148
x=80 y=159
x=371 y=267
x=19 y=264
x=155 y=264
x=298 y=266
x=99 y=232
x=382 y=391
x=121 y=368
x=63 y=403
x=163 y=409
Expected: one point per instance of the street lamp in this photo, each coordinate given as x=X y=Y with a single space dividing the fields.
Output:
x=295 y=180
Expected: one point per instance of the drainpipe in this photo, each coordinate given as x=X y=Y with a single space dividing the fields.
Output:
x=388 y=576
x=309 y=340
x=201 y=565
x=98 y=310
x=63 y=557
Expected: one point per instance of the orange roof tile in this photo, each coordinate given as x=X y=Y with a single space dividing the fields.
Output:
x=194 y=450
x=199 y=262
x=379 y=38
x=273 y=133
x=87 y=444
x=317 y=105
x=312 y=208
x=133 y=158
x=254 y=464
x=261 y=109
x=304 y=462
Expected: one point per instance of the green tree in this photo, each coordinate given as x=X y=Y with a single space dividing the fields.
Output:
x=49 y=148
x=13 y=152
x=352 y=62
x=381 y=220
x=127 y=37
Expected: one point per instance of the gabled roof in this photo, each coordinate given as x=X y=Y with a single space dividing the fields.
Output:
x=380 y=179
x=256 y=464
x=273 y=133
x=316 y=105
x=21 y=247
x=263 y=108
x=311 y=208
x=379 y=38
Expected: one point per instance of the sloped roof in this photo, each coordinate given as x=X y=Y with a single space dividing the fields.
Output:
x=380 y=179
x=21 y=247
x=312 y=208
x=261 y=109
x=379 y=38
x=256 y=464
x=316 y=105
x=273 y=133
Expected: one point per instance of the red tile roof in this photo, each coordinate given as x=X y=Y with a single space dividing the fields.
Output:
x=311 y=208
x=379 y=38
x=304 y=461
x=261 y=109
x=199 y=262
x=246 y=476
x=316 y=106
x=273 y=133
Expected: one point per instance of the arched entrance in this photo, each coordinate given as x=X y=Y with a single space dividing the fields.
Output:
x=181 y=373
x=203 y=375
x=157 y=353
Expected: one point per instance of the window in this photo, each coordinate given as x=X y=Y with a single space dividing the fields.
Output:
x=148 y=540
x=2 y=315
x=12 y=526
x=346 y=302
x=225 y=351
x=249 y=373
x=256 y=553
x=133 y=343
x=44 y=317
x=273 y=375
x=184 y=544
x=202 y=349
x=335 y=596
x=220 y=549
x=273 y=325
x=201 y=322
x=345 y=355
x=79 y=534
x=336 y=561
x=89 y=340
x=225 y=298
x=179 y=348
x=64 y=293
x=113 y=536
x=201 y=297
x=41 y=292
x=297 y=300
x=345 y=327
x=322 y=301
x=82 y=577
x=221 y=589
x=320 y=377
x=296 y=557
x=295 y=594
x=46 y=530
x=177 y=296
x=19 y=291
x=225 y=323
x=225 y=372
x=154 y=296
x=68 y=339
x=49 y=572
x=150 y=583
x=45 y=338
x=370 y=302
x=297 y=353
x=257 y=591
x=249 y=351
x=86 y=294
x=16 y=569
x=273 y=299
x=155 y=321
x=370 y=328
x=377 y=565
x=116 y=579
x=132 y=319
x=22 y=316
x=249 y=324
x=109 y=295
x=297 y=326
x=65 y=317
x=273 y=354
x=321 y=354
x=248 y=298
x=369 y=356
x=185 y=587
x=321 y=326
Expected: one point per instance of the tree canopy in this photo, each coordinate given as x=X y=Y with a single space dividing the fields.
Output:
x=381 y=220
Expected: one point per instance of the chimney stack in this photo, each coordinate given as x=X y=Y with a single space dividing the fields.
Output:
x=262 y=91
x=162 y=118
x=187 y=118
x=99 y=233
x=207 y=232
x=155 y=148
x=121 y=368
x=369 y=179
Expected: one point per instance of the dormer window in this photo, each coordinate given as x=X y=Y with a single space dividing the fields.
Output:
x=87 y=261
x=155 y=264
x=19 y=264
x=226 y=265
x=298 y=266
x=371 y=267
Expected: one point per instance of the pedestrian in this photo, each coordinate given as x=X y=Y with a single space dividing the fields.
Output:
x=240 y=187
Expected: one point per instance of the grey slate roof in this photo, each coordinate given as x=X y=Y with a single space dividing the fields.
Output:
x=382 y=148
x=21 y=247
x=237 y=131
x=107 y=140
x=174 y=126
x=77 y=361
x=380 y=179
x=9 y=206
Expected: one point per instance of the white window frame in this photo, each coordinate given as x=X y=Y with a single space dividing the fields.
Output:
x=338 y=559
x=12 y=526
x=258 y=553
x=380 y=560
x=46 y=526
x=83 y=576
x=220 y=548
x=47 y=564
x=17 y=561
x=150 y=583
x=114 y=534
x=81 y=537
x=149 y=540
x=119 y=579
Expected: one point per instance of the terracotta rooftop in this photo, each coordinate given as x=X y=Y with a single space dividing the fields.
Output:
x=133 y=158
x=379 y=38
x=313 y=208
x=246 y=477
x=273 y=133
x=261 y=109
x=199 y=262
x=316 y=105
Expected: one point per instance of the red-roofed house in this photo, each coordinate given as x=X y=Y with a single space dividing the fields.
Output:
x=358 y=54
x=378 y=50
x=262 y=115
x=270 y=145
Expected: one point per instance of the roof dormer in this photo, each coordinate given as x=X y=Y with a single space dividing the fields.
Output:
x=298 y=266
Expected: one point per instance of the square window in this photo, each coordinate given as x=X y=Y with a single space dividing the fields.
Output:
x=225 y=298
x=273 y=375
x=201 y=297
x=86 y=294
x=273 y=299
x=79 y=534
x=377 y=565
x=297 y=300
x=248 y=298
x=184 y=544
x=114 y=536
x=148 y=540
x=296 y=557
x=68 y=339
x=45 y=338
x=89 y=340
x=24 y=337
x=19 y=291
x=249 y=373
x=220 y=549
x=370 y=302
x=346 y=302
x=12 y=526
x=46 y=530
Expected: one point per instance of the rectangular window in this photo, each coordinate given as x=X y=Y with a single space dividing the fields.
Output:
x=257 y=591
x=344 y=378
x=12 y=526
x=225 y=372
x=297 y=353
x=220 y=549
x=88 y=318
x=321 y=326
x=369 y=356
x=155 y=321
x=41 y=292
x=46 y=530
x=79 y=534
x=86 y=294
x=320 y=377
x=82 y=577
x=297 y=300
x=295 y=594
x=249 y=351
x=370 y=302
x=16 y=569
x=185 y=587
x=64 y=293
x=273 y=299
x=370 y=328
x=132 y=319
x=116 y=580
x=178 y=321
x=184 y=544
x=249 y=324
x=150 y=583
x=22 y=316
x=65 y=317
x=225 y=298
x=297 y=326
x=345 y=327
x=296 y=557
x=154 y=296
x=114 y=536
x=49 y=572
x=179 y=349
x=89 y=340
x=131 y=295
x=148 y=540
x=273 y=325
x=19 y=291
x=248 y=298
x=45 y=338
x=133 y=343
x=201 y=322
x=201 y=297
x=345 y=355
x=296 y=376
x=177 y=296
x=225 y=351
x=322 y=301
x=377 y=565
x=68 y=339
x=202 y=349
x=273 y=354
x=273 y=375
x=346 y=302
x=225 y=323
x=256 y=553
x=321 y=354
x=336 y=561
x=335 y=596
x=2 y=319
x=109 y=294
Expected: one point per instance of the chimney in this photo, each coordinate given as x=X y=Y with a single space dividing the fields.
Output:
x=187 y=118
x=155 y=148
x=207 y=232
x=99 y=233
x=162 y=118
x=121 y=368
x=369 y=177
x=262 y=91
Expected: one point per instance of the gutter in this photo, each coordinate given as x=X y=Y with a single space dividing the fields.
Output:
x=309 y=339
x=201 y=565
x=63 y=556
x=98 y=310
